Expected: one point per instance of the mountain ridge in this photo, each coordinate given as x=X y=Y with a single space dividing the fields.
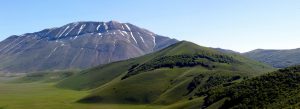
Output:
x=78 y=45
x=276 y=58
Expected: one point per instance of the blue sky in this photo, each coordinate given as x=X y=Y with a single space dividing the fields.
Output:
x=240 y=25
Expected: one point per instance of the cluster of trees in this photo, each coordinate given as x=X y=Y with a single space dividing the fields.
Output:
x=216 y=58
x=194 y=83
x=209 y=81
x=180 y=61
x=274 y=90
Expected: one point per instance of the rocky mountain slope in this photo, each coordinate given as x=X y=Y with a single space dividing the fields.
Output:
x=77 y=45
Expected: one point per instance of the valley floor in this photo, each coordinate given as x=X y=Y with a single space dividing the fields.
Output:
x=46 y=96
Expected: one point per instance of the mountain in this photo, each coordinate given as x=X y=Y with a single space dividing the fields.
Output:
x=276 y=58
x=276 y=90
x=78 y=45
x=171 y=76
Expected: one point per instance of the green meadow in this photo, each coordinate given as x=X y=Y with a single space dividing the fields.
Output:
x=39 y=95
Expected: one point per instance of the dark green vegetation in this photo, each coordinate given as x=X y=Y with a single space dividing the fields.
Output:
x=180 y=61
x=279 y=89
x=276 y=58
x=178 y=76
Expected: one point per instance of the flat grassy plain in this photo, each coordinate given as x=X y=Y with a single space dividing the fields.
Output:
x=40 y=95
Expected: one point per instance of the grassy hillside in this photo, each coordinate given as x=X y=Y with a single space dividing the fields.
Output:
x=97 y=76
x=279 y=89
x=168 y=77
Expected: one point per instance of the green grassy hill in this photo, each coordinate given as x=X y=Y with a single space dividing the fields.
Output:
x=279 y=89
x=172 y=76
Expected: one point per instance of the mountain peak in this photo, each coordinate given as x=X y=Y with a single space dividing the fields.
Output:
x=82 y=28
x=79 y=45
